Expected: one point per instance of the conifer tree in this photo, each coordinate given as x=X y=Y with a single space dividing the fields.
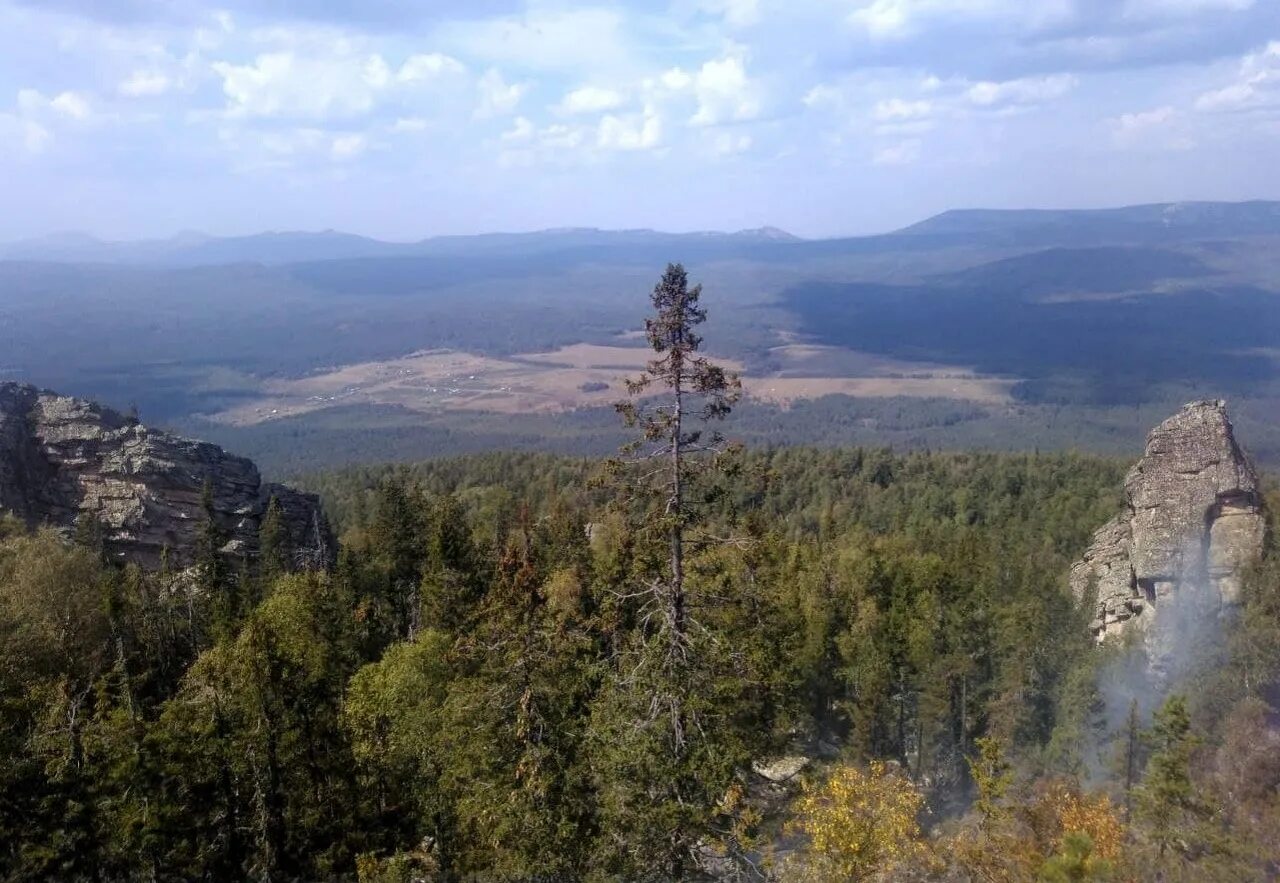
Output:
x=666 y=727
x=1167 y=801
x=698 y=391
x=273 y=559
x=211 y=569
x=451 y=584
x=397 y=542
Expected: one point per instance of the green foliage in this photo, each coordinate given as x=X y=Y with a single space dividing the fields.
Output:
x=1076 y=863
x=670 y=724
x=272 y=544
x=992 y=776
x=1167 y=800
x=382 y=723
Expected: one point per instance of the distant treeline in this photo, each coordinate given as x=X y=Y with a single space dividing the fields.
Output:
x=341 y=436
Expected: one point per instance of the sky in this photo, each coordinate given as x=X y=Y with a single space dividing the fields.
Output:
x=142 y=118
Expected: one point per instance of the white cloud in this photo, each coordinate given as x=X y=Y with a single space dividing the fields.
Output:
x=1232 y=97
x=524 y=143
x=32 y=127
x=675 y=80
x=72 y=105
x=590 y=99
x=891 y=109
x=69 y=105
x=284 y=84
x=561 y=137
x=26 y=135
x=408 y=124
x=736 y=13
x=348 y=146
x=376 y=72
x=592 y=38
x=724 y=92
x=31 y=100
x=1152 y=9
x=497 y=96
x=900 y=154
x=145 y=83
x=883 y=18
x=729 y=144
x=299 y=147
x=329 y=79
x=522 y=129
x=417 y=68
x=35 y=137
x=1156 y=129
x=286 y=143
x=1257 y=83
x=893 y=19
x=823 y=96
x=902 y=106
x=1136 y=122
x=634 y=132
x=1030 y=90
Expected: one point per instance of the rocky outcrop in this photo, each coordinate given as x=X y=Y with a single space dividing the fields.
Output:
x=64 y=459
x=1192 y=522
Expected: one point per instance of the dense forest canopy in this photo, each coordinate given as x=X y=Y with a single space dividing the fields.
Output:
x=509 y=676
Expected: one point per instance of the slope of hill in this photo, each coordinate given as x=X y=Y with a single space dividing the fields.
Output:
x=1158 y=222
x=1095 y=326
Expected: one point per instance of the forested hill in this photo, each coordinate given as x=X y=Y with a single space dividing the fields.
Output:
x=454 y=703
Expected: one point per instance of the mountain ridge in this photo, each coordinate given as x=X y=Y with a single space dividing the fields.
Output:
x=1148 y=223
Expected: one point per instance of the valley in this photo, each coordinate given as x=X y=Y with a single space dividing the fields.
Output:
x=592 y=375
x=1012 y=330
x=690 y=441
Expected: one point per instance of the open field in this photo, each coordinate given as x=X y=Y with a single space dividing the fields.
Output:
x=587 y=375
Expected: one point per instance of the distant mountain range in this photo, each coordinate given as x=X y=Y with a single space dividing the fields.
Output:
x=275 y=248
x=1091 y=309
x=1161 y=223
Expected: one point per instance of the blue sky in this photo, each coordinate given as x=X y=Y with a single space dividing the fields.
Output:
x=129 y=118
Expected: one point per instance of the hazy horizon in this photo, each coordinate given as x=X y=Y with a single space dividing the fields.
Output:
x=821 y=117
x=410 y=239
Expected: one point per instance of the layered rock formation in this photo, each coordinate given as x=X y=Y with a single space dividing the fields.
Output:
x=64 y=459
x=1192 y=522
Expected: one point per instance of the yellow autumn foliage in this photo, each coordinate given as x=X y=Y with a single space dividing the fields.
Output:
x=1091 y=814
x=859 y=825
x=1016 y=846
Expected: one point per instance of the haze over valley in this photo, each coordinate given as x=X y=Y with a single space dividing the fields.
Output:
x=1003 y=329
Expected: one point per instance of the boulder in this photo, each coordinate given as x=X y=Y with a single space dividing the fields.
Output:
x=64 y=459
x=1192 y=521
x=781 y=769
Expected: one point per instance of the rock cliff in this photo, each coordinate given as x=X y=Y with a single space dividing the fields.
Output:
x=63 y=459
x=1191 y=523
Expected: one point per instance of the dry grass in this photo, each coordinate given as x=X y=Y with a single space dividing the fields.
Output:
x=585 y=375
x=785 y=390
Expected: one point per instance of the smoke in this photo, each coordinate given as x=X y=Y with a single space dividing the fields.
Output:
x=1180 y=635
